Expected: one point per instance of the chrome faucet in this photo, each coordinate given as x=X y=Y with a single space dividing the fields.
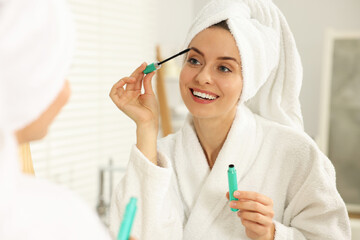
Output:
x=102 y=206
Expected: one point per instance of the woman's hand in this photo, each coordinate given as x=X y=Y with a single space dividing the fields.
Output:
x=256 y=214
x=142 y=108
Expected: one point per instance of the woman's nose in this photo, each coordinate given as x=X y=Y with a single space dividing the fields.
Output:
x=204 y=76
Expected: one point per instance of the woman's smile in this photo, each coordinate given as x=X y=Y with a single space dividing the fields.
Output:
x=203 y=97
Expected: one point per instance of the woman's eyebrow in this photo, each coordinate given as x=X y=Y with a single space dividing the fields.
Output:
x=221 y=58
x=229 y=58
x=197 y=50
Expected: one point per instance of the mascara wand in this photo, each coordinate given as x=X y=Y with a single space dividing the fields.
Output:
x=156 y=65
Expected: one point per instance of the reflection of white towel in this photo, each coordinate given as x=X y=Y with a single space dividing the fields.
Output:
x=271 y=64
x=36 y=51
x=36 y=46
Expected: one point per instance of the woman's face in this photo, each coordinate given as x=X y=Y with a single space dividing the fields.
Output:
x=38 y=128
x=211 y=78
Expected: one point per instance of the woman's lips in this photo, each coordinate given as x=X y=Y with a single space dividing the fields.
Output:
x=201 y=96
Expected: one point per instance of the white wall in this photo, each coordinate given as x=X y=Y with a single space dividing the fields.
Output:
x=198 y=4
x=309 y=21
x=174 y=22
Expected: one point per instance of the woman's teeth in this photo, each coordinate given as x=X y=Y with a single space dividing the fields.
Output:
x=203 y=95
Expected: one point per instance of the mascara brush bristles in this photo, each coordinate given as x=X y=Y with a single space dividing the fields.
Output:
x=178 y=54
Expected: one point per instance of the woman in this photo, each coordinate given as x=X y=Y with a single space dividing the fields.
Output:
x=36 y=46
x=240 y=82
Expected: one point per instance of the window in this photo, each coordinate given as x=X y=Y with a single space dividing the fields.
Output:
x=114 y=37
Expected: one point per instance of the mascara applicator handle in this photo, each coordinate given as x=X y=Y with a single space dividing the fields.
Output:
x=152 y=67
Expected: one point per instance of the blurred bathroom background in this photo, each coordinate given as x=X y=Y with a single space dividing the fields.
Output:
x=88 y=145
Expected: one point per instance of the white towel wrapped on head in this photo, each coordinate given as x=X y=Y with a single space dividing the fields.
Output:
x=271 y=65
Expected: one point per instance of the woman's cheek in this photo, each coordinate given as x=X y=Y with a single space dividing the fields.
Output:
x=183 y=74
x=232 y=89
x=187 y=74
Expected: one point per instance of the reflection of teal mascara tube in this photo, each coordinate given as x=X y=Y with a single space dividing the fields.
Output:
x=232 y=184
x=156 y=65
x=126 y=224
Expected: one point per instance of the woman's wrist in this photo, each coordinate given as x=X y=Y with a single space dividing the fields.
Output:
x=146 y=139
x=272 y=232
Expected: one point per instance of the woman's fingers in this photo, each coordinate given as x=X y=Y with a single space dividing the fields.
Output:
x=256 y=213
x=253 y=229
x=133 y=83
x=138 y=75
x=121 y=83
x=255 y=217
x=252 y=201
x=118 y=87
x=117 y=92
x=147 y=83
x=253 y=196
x=253 y=207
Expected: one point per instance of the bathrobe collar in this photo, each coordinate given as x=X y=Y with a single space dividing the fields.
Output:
x=203 y=191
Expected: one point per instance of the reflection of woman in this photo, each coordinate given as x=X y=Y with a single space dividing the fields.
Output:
x=36 y=46
x=240 y=83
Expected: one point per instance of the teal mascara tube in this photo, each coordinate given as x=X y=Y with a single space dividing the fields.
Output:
x=152 y=67
x=157 y=65
x=127 y=222
x=232 y=184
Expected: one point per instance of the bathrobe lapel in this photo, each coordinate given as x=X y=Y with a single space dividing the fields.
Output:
x=204 y=190
x=191 y=166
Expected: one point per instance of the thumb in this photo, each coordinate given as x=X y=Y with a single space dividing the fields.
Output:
x=147 y=83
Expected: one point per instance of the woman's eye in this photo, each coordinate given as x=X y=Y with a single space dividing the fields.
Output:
x=224 y=69
x=193 y=61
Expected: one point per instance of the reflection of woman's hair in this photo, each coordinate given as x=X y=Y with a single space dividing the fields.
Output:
x=222 y=25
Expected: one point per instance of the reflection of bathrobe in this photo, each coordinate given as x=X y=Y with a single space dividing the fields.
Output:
x=183 y=199
x=35 y=209
x=43 y=211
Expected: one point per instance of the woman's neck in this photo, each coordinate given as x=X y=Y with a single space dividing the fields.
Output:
x=212 y=134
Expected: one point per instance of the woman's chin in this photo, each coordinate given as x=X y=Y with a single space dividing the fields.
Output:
x=201 y=113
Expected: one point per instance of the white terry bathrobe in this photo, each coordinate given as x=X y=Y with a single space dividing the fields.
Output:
x=36 y=47
x=182 y=198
